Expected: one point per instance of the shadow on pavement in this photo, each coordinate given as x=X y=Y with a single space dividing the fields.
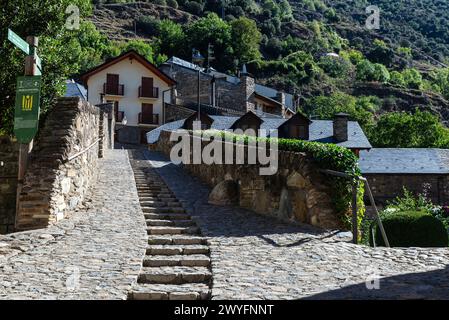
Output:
x=423 y=285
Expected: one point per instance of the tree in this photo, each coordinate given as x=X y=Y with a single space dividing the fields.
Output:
x=397 y=79
x=441 y=81
x=336 y=67
x=141 y=47
x=285 y=10
x=171 y=38
x=412 y=78
x=367 y=71
x=58 y=49
x=212 y=30
x=245 y=39
x=405 y=130
x=325 y=107
x=381 y=53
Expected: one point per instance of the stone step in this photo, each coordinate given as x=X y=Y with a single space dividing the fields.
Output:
x=194 y=260
x=174 y=275
x=173 y=230
x=152 y=204
x=163 y=210
x=151 y=189
x=172 y=198
x=176 y=240
x=151 y=194
x=170 y=223
x=166 y=216
x=154 y=198
x=170 y=250
x=188 y=291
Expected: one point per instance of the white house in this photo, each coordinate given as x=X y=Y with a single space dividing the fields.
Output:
x=138 y=90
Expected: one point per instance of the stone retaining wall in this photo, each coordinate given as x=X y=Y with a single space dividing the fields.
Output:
x=54 y=183
x=8 y=183
x=296 y=193
x=386 y=187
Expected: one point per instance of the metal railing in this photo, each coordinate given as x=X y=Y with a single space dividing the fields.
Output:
x=148 y=92
x=76 y=155
x=355 y=185
x=115 y=90
x=148 y=118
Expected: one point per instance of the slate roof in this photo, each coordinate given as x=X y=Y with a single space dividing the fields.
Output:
x=319 y=130
x=404 y=161
x=323 y=131
x=74 y=89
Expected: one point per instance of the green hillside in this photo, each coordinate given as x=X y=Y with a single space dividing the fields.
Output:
x=319 y=50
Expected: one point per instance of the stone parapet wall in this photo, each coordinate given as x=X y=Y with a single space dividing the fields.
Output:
x=298 y=192
x=107 y=122
x=55 y=183
x=9 y=153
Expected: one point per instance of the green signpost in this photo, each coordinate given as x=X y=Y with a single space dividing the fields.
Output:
x=26 y=118
x=18 y=41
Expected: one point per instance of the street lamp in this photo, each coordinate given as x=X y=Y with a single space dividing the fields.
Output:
x=198 y=59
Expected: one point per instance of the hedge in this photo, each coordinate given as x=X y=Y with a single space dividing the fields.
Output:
x=412 y=229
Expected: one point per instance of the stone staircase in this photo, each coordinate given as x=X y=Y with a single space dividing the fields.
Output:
x=177 y=263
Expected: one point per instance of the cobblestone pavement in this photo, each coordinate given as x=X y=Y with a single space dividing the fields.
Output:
x=256 y=257
x=96 y=253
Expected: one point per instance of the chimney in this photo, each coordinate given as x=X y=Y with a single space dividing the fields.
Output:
x=280 y=96
x=247 y=89
x=341 y=127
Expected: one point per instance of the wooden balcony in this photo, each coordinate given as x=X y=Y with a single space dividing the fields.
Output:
x=148 y=118
x=148 y=92
x=113 y=90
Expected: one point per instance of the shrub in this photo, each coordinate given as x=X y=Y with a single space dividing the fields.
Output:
x=148 y=24
x=194 y=7
x=412 y=229
x=172 y=3
x=160 y=2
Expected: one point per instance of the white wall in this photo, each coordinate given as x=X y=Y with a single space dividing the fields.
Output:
x=130 y=75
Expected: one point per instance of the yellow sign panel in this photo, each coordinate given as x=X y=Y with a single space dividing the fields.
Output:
x=27 y=103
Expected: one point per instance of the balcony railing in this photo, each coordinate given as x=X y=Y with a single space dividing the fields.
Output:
x=148 y=92
x=111 y=89
x=148 y=118
x=119 y=116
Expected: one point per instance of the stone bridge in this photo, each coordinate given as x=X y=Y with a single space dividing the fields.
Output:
x=142 y=228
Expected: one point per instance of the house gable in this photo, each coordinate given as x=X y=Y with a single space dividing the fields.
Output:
x=248 y=121
x=130 y=55
x=206 y=121
x=297 y=127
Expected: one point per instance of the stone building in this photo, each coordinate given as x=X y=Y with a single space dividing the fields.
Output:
x=224 y=92
x=421 y=171
x=138 y=90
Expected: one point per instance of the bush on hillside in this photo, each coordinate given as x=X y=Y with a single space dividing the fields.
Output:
x=412 y=229
x=172 y=3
